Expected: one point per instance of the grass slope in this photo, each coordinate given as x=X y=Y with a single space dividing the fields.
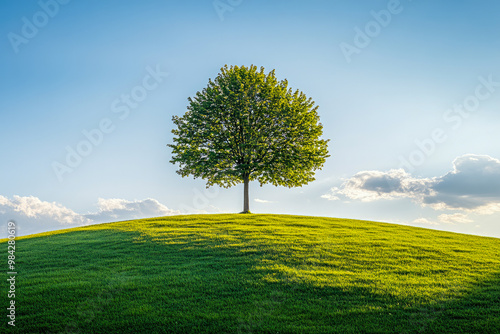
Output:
x=255 y=274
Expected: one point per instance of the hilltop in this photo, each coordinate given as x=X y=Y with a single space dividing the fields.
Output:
x=255 y=274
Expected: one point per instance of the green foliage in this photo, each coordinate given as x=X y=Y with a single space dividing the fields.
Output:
x=248 y=125
x=255 y=274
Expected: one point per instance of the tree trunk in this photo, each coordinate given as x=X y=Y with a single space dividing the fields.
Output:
x=246 y=205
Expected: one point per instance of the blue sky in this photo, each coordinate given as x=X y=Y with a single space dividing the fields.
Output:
x=415 y=81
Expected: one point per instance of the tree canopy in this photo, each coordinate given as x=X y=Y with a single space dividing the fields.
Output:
x=245 y=126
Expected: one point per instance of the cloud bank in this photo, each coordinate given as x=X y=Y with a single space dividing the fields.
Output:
x=473 y=185
x=119 y=209
x=34 y=215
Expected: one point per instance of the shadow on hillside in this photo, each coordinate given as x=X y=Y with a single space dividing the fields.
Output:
x=477 y=311
x=121 y=282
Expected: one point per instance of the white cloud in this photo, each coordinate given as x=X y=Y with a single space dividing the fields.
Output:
x=455 y=218
x=121 y=209
x=36 y=209
x=262 y=201
x=369 y=186
x=34 y=215
x=331 y=195
x=425 y=221
x=473 y=185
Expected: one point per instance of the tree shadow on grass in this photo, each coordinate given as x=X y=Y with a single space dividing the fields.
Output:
x=477 y=311
x=112 y=281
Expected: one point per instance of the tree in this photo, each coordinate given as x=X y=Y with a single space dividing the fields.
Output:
x=246 y=125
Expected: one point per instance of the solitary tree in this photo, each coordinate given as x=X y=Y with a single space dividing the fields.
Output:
x=246 y=125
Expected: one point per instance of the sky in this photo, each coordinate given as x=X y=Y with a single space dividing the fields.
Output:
x=408 y=94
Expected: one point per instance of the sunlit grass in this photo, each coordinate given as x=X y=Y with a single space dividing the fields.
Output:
x=256 y=274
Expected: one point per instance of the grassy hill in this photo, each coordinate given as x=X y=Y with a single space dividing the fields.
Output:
x=255 y=274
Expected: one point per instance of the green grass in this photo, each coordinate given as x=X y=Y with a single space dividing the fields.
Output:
x=255 y=274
